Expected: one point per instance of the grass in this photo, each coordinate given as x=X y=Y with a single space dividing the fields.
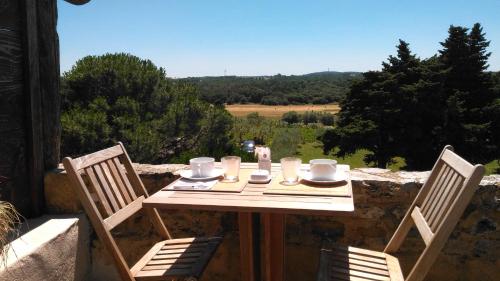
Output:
x=9 y=218
x=276 y=111
x=314 y=150
x=493 y=167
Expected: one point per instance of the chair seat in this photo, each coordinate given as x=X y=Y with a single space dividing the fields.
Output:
x=186 y=257
x=356 y=264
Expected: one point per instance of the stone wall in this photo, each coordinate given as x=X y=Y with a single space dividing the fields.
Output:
x=381 y=200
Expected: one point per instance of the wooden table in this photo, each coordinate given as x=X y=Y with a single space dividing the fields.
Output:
x=254 y=209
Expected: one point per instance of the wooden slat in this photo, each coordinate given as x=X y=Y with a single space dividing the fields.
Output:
x=98 y=190
x=166 y=266
x=360 y=268
x=361 y=274
x=395 y=272
x=176 y=260
x=435 y=188
x=111 y=183
x=202 y=262
x=359 y=257
x=179 y=251
x=97 y=157
x=443 y=209
x=159 y=275
x=448 y=191
x=184 y=246
x=187 y=241
x=459 y=164
x=146 y=258
x=422 y=226
x=431 y=182
x=443 y=189
x=124 y=178
x=118 y=180
x=345 y=276
x=123 y=214
x=174 y=256
x=360 y=251
x=104 y=185
x=346 y=259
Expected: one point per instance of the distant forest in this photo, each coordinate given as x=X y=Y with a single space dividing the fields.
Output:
x=315 y=88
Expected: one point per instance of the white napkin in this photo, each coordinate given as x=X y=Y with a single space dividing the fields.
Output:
x=184 y=184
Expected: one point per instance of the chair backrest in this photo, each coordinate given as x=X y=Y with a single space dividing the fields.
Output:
x=437 y=208
x=110 y=195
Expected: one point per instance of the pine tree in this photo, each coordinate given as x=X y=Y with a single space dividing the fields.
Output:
x=468 y=93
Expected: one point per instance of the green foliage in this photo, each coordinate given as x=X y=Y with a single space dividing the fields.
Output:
x=285 y=143
x=327 y=119
x=309 y=117
x=413 y=107
x=120 y=97
x=317 y=88
x=291 y=117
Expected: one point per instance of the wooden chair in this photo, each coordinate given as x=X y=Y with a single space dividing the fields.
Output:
x=435 y=212
x=110 y=196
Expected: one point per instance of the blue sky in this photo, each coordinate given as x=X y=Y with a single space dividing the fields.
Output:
x=207 y=37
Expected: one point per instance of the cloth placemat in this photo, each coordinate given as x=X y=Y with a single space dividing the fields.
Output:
x=217 y=186
x=342 y=189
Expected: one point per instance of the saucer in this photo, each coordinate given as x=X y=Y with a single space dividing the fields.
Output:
x=188 y=174
x=339 y=177
x=267 y=180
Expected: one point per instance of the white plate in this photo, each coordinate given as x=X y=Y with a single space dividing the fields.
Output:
x=307 y=176
x=188 y=174
x=260 y=181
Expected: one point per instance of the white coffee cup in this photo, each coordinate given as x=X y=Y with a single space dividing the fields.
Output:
x=202 y=167
x=323 y=169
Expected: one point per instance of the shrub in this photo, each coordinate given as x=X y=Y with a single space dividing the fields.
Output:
x=327 y=119
x=309 y=117
x=291 y=117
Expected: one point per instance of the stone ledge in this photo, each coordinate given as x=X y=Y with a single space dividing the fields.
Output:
x=52 y=248
x=60 y=198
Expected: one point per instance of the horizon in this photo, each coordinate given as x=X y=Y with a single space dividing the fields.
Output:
x=227 y=38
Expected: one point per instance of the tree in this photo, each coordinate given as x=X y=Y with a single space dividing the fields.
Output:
x=309 y=117
x=120 y=97
x=371 y=115
x=468 y=90
x=291 y=117
x=412 y=108
x=327 y=119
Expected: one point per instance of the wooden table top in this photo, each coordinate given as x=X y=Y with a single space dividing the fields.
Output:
x=252 y=199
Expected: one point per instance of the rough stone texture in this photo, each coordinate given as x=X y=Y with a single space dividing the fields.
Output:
x=381 y=200
x=51 y=248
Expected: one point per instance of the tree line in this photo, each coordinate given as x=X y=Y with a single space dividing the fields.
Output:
x=413 y=106
x=316 y=88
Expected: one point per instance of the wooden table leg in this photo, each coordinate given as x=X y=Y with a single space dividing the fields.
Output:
x=249 y=229
x=274 y=246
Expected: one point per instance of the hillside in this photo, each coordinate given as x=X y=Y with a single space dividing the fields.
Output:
x=317 y=88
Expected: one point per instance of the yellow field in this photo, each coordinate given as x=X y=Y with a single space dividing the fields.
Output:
x=276 y=111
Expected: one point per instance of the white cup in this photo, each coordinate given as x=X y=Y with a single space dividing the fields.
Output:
x=323 y=169
x=202 y=167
